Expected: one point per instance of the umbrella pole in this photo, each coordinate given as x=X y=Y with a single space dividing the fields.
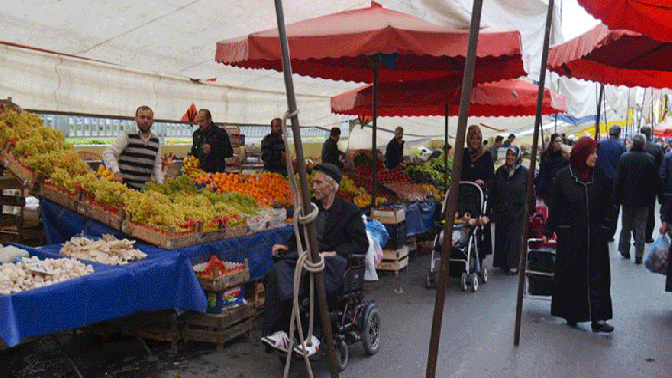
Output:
x=604 y=110
x=445 y=149
x=305 y=193
x=467 y=82
x=627 y=114
x=530 y=174
x=599 y=113
x=375 y=68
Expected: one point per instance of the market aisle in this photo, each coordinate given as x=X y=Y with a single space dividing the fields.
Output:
x=476 y=339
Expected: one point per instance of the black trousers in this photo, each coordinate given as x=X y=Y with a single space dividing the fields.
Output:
x=650 y=220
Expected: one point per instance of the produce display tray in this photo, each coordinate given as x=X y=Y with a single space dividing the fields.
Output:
x=12 y=163
x=225 y=281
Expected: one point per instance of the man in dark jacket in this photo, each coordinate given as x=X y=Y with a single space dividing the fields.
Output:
x=330 y=152
x=273 y=149
x=609 y=154
x=340 y=233
x=394 y=153
x=636 y=169
x=657 y=152
x=211 y=144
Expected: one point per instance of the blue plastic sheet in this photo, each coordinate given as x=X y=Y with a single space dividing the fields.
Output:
x=421 y=217
x=164 y=280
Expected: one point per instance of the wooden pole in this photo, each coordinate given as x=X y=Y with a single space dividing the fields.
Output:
x=467 y=82
x=305 y=192
x=375 y=69
x=599 y=113
x=530 y=173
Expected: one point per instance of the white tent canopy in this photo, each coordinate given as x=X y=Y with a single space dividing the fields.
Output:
x=161 y=52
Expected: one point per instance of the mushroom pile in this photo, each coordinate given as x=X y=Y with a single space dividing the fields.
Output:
x=31 y=273
x=107 y=250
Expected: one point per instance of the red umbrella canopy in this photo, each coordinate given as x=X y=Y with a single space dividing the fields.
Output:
x=651 y=17
x=341 y=46
x=617 y=57
x=503 y=98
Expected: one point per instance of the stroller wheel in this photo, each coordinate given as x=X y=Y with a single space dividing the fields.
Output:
x=464 y=285
x=474 y=282
x=484 y=275
x=430 y=282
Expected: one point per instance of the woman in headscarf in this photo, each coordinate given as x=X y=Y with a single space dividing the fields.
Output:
x=552 y=160
x=477 y=167
x=581 y=215
x=508 y=203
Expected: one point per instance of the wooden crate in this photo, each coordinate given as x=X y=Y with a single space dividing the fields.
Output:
x=411 y=243
x=12 y=163
x=53 y=194
x=157 y=325
x=393 y=265
x=225 y=281
x=395 y=254
x=99 y=214
x=388 y=215
x=218 y=328
x=168 y=240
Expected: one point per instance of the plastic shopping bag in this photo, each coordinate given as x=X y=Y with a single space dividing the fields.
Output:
x=659 y=256
x=370 y=273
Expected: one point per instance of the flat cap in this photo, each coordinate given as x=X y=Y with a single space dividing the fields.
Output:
x=330 y=170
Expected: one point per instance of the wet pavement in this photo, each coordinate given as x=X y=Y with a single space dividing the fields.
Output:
x=477 y=338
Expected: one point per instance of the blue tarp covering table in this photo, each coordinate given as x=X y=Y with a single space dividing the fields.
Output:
x=161 y=281
x=164 y=280
x=421 y=217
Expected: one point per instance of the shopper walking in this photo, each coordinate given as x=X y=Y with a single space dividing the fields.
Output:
x=509 y=198
x=553 y=159
x=477 y=167
x=636 y=185
x=657 y=152
x=580 y=214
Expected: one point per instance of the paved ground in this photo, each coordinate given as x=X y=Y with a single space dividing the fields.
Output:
x=476 y=340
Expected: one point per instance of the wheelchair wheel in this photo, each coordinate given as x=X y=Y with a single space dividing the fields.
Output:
x=474 y=282
x=342 y=354
x=371 y=329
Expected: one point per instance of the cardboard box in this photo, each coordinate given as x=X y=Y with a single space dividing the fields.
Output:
x=388 y=215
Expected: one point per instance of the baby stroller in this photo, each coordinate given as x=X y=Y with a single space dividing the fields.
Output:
x=465 y=261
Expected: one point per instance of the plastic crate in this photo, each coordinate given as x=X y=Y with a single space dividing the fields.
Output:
x=397 y=235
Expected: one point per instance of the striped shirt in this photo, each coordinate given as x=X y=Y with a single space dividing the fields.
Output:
x=136 y=158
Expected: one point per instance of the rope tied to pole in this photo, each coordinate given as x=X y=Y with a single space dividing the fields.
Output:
x=303 y=262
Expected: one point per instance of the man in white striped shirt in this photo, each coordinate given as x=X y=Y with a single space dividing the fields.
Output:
x=134 y=157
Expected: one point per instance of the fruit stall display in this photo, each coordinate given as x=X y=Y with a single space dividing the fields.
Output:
x=193 y=203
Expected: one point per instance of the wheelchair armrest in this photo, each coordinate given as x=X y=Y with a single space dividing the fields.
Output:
x=356 y=258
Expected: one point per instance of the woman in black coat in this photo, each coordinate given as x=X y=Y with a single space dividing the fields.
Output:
x=552 y=160
x=581 y=215
x=477 y=167
x=508 y=200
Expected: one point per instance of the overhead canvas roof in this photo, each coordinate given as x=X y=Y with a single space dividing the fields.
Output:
x=147 y=52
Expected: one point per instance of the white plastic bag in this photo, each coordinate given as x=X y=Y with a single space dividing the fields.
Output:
x=370 y=273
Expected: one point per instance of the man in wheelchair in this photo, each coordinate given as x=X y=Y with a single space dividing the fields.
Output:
x=340 y=233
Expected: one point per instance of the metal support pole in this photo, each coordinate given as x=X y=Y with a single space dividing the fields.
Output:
x=627 y=114
x=375 y=69
x=599 y=113
x=445 y=148
x=305 y=193
x=604 y=110
x=467 y=82
x=530 y=174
